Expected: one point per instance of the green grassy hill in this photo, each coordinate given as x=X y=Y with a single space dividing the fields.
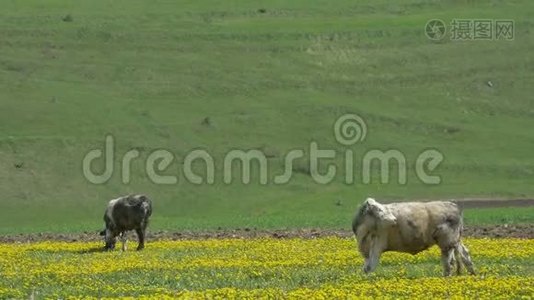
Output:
x=268 y=75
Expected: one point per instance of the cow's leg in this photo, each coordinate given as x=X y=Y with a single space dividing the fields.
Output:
x=466 y=258
x=123 y=241
x=447 y=255
x=447 y=236
x=458 y=259
x=141 y=236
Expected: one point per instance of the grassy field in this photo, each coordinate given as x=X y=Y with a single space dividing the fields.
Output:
x=259 y=268
x=267 y=75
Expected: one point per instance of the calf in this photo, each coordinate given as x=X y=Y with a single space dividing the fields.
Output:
x=123 y=214
x=410 y=227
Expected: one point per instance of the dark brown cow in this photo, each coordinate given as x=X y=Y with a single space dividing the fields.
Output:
x=123 y=214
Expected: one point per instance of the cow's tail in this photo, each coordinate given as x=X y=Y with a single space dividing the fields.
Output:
x=457 y=249
x=460 y=216
x=460 y=222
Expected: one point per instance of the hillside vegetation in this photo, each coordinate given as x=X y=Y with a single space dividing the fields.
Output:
x=271 y=76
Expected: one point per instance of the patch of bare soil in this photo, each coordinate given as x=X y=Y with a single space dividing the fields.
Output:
x=491 y=231
x=525 y=231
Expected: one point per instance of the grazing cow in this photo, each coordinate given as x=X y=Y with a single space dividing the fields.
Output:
x=410 y=227
x=123 y=214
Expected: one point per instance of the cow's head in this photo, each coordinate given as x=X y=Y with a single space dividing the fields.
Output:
x=372 y=215
x=380 y=212
x=110 y=238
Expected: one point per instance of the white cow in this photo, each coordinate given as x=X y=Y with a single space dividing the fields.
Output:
x=410 y=227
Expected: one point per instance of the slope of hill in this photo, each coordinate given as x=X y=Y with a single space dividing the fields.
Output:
x=273 y=77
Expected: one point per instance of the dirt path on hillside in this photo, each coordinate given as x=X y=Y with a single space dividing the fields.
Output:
x=486 y=203
x=489 y=203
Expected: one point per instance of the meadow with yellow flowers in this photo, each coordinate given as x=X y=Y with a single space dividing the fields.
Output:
x=327 y=267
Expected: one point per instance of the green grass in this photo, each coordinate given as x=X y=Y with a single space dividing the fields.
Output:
x=149 y=72
x=510 y=215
